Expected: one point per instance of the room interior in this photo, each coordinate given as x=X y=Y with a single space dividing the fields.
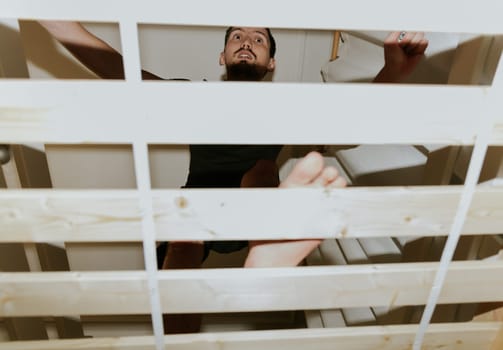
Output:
x=305 y=57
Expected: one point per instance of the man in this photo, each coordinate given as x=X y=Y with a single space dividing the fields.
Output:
x=248 y=55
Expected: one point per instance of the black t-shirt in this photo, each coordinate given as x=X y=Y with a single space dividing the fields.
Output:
x=224 y=165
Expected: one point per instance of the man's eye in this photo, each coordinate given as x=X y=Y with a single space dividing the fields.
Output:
x=237 y=36
x=259 y=40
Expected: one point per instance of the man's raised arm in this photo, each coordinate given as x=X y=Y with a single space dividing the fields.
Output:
x=402 y=53
x=90 y=50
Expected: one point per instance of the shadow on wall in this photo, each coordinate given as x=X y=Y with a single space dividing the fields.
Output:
x=43 y=52
x=12 y=61
x=433 y=69
x=426 y=72
x=360 y=60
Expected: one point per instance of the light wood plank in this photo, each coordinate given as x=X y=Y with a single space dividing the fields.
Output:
x=54 y=258
x=352 y=253
x=68 y=112
x=301 y=14
x=498 y=341
x=349 y=251
x=232 y=290
x=59 y=215
x=13 y=259
x=460 y=336
x=322 y=318
x=490 y=246
x=493 y=315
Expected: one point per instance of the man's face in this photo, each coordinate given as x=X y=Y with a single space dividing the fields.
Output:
x=248 y=47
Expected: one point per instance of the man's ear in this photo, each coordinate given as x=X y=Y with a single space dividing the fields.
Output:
x=271 y=65
x=222 y=58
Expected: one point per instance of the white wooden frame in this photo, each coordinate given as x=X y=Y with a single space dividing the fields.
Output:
x=68 y=112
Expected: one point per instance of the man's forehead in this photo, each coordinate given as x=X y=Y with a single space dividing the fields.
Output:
x=262 y=31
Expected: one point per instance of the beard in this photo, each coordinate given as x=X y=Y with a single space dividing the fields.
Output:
x=244 y=71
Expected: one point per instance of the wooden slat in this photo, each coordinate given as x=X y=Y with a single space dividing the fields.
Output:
x=492 y=315
x=54 y=258
x=460 y=336
x=60 y=215
x=230 y=290
x=329 y=317
x=68 y=112
x=498 y=342
x=349 y=251
x=17 y=257
x=348 y=15
x=13 y=259
x=32 y=171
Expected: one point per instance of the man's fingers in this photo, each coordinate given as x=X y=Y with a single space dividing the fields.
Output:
x=413 y=43
x=421 y=47
x=392 y=38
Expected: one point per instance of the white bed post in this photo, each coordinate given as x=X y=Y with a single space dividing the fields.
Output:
x=132 y=72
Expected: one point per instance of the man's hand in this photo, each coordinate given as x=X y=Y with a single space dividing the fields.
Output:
x=402 y=53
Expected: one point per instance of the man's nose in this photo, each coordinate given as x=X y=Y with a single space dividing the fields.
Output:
x=246 y=42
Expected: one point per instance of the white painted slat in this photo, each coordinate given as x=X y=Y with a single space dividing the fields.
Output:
x=353 y=252
x=142 y=172
x=469 y=188
x=480 y=17
x=235 y=290
x=166 y=112
x=60 y=215
x=333 y=317
x=381 y=249
x=313 y=319
x=459 y=336
x=331 y=253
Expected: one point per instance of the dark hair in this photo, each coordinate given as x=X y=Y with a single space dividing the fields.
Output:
x=272 y=42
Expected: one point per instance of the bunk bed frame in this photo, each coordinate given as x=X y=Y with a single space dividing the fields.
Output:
x=132 y=112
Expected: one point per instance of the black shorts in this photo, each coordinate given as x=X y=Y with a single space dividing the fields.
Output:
x=210 y=180
x=223 y=247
